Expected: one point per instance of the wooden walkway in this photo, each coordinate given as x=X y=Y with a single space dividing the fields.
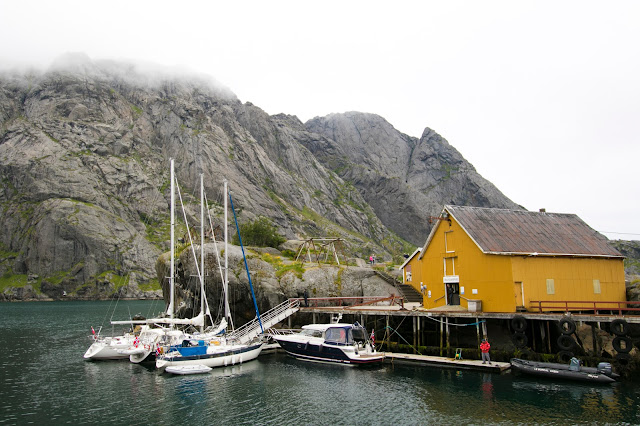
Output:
x=437 y=361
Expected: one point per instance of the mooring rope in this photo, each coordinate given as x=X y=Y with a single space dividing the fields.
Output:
x=405 y=340
x=456 y=325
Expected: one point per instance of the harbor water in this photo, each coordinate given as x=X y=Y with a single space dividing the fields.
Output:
x=45 y=380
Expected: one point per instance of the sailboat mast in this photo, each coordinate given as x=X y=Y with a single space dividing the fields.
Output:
x=173 y=224
x=202 y=228
x=225 y=284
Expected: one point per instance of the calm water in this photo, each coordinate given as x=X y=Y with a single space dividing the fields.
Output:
x=44 y=380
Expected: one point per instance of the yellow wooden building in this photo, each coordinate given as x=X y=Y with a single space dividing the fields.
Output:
x=498 y=260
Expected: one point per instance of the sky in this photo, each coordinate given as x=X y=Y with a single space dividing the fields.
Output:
x=542 y=97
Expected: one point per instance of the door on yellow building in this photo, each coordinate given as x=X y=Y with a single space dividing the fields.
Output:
x=519 y=294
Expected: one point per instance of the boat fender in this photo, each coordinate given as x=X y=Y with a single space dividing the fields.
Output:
x=566 y=342
x=520 y=340
x=565 y=356
x=567 y=326
x=519 y=323
x=623 y=359
x=619 y=327
x=355 y=348
x=628 y=344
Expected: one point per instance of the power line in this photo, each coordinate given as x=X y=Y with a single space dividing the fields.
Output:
x=621 y=233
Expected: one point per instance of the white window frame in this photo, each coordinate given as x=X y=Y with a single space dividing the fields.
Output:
x=446 y=246
x=551 y=286
x=453 y=266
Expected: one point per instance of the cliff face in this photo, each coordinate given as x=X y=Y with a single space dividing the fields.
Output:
x=84 y=154
x=404 y=179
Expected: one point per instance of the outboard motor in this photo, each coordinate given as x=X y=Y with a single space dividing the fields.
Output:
x=605 y=368
x=575 y=364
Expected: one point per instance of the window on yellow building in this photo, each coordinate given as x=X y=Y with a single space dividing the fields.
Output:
x=596 y=286
x=551 y=288
x=449 y=266
x=448 y=242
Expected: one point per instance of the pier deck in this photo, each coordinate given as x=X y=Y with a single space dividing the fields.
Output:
x=437 y=361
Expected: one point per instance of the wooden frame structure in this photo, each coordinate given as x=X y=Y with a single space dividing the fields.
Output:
x=320 y=246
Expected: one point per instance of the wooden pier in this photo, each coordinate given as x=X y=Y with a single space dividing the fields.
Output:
x=437 y=361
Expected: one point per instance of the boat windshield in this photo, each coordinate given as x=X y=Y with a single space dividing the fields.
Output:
x=338 y=335
x=359 y=335
x=312 y=333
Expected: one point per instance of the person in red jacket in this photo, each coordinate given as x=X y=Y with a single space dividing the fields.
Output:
x=484 y=347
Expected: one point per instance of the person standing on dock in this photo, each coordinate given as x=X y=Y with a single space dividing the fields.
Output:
x=484 y=347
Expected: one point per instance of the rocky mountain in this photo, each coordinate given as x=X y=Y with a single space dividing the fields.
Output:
x=404 y=179
x=84 y=154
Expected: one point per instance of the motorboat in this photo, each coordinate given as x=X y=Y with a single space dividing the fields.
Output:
x=333 y=343
x=572 y=371
x=183 y=370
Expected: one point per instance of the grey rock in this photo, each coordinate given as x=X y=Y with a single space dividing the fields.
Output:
x=404 y=179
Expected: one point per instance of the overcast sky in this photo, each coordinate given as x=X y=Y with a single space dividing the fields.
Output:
x=542 y=97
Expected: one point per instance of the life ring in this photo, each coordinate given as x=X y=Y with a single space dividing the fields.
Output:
x=520 y=340
x=519 y=323
x=567 y=326
x=565 y=356
x=619 y=327
x=628 y=344
x=623 y=359
x=566 y=342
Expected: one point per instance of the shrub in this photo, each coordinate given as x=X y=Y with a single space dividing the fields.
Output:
x=260 y=233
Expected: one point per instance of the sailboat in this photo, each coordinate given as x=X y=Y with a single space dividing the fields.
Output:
x=158 y=332
x=210 y=350
x=107 y=347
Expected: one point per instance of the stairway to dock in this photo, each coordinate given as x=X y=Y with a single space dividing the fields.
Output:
x=407 y=292
x=252 y=329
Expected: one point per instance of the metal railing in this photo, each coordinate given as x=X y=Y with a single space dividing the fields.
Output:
x=353 y=301
x=583 y=305
x=273 y=316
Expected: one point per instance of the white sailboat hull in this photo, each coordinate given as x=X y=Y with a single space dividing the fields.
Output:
x=217 y=357
x=108 y=348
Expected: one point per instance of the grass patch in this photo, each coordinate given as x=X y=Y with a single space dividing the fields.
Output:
x=152 y=285
x=12 y=280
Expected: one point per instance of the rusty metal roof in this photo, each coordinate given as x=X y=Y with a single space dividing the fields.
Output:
x=503 y=231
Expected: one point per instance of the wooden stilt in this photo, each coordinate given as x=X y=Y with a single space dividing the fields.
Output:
x=595 y=340
x=388 y=334
x=448 y=342
x=548 y=338
x=415 y=334
x=478 y=332
x=441 y=333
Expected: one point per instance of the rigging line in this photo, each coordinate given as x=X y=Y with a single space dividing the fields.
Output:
x=215 y=245
x=621 y=233
x=193 y=250
x=405 y=340
x=246 y=265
